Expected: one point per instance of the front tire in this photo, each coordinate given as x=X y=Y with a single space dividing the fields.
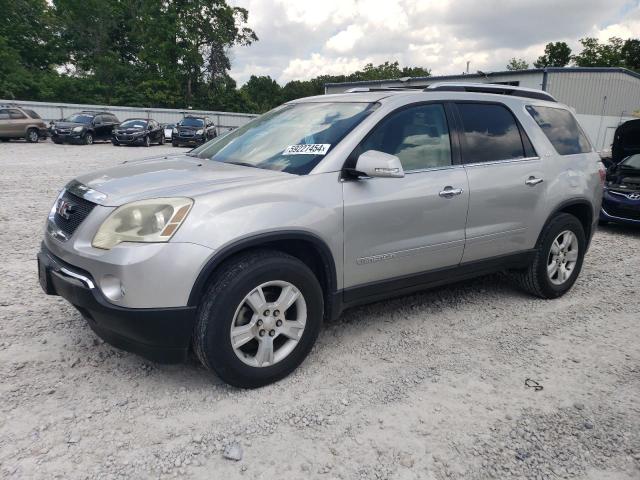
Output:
x=558 y=258
x=32 y=135
x=146 y=141
x=88 y=138
x=259 y=318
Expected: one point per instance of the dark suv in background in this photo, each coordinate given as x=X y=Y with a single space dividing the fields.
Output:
x=84 y=127
x=193 y=131
x=16 y=122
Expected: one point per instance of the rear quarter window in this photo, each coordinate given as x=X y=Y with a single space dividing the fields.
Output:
x=561 y=128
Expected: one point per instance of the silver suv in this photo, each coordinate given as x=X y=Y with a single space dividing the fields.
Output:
x=243 y=246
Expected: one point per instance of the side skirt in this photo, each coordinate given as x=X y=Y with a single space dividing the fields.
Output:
x=371 y=292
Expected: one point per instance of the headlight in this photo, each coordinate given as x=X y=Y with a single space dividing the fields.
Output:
x=148 y=221
x=200 y=132
x=78 y=129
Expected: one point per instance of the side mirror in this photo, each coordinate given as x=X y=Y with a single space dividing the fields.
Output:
x=373 y=163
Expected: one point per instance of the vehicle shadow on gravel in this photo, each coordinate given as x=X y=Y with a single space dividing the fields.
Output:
x=630 y=231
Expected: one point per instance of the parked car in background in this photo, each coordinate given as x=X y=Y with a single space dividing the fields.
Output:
x=621 y=201
x=16 y=122
x=242 y=247
x=84 y=127
x=626 y=141
x=138 y=131
x=193 y=131
x=168 y=130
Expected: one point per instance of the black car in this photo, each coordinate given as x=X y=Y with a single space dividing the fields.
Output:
x=84 y=127
x=621 y=201
x=138 y=131
x=193 y=131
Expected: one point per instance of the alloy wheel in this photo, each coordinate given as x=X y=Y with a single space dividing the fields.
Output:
x=563 y=257
x=268 y=323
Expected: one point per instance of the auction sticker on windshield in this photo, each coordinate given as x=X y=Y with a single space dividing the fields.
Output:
x=310 y=149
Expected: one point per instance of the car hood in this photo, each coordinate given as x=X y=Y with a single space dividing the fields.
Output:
x=69 y=124
x=169 y=176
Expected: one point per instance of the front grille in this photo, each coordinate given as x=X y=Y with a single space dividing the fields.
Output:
x=78 y=210
x=623 y=212
x=186 y=133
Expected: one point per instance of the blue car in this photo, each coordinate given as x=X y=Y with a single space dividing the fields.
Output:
x=621 y=201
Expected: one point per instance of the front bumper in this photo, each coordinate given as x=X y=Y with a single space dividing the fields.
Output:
x=618 y=208
x=128 y=139
x=195 y=140
x=159 y=334
x=72 y=137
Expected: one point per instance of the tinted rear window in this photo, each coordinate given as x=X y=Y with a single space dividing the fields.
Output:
x=561 y=128
x=490 y=133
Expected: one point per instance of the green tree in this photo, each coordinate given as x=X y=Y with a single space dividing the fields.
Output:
x=517 y=64
x=263 y=92
x=631 y=54
x=556 y=54
x=596 y=54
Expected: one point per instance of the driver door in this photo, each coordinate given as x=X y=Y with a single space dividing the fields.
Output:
x=398 y=227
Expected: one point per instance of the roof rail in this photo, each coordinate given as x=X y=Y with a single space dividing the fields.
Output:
x=490 y=88
x=383 y=89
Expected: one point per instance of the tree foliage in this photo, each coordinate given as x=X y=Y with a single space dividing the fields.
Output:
x=517 y=64
x=556 y=54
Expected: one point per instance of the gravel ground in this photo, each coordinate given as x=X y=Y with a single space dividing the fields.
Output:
x=428 y=386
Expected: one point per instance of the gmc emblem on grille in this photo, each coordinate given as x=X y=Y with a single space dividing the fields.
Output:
x=64 y=209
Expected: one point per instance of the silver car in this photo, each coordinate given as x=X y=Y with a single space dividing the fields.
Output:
x=239 y=249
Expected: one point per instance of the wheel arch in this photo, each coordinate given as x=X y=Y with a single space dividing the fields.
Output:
x=306 y=247
x=581 y=208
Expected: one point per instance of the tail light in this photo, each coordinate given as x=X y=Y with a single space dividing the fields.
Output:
x=603 y=173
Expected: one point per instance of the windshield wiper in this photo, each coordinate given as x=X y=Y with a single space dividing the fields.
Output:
x=243 y=164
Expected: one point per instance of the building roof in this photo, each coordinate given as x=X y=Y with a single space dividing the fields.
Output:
x=445 y=78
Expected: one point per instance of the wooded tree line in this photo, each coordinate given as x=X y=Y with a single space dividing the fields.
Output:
x=141 y=53
x=614 y=53
x=174 y=54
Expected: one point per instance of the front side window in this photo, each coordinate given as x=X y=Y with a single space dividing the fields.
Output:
x=32 y=114
x=418 y=136
x=561 y=128
x=489 y=133
x=293 y=138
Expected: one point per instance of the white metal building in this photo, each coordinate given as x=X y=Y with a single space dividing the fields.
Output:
x=55 y=111
x=602 y=98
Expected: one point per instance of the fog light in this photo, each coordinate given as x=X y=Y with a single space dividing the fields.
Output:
x=111 y=287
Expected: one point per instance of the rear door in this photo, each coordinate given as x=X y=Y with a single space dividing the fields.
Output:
x=397 y=227
x=506 y=181
x=5 y=123
x=18 y=123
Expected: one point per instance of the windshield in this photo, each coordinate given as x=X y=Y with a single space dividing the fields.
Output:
x=631 y=162
x=292 y=138
x=191 y=122
x=133 y=124
x=79 y=118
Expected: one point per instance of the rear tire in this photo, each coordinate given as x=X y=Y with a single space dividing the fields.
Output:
x=161 y=142
x=555 y=266
x=32 y=135
x=267 y=351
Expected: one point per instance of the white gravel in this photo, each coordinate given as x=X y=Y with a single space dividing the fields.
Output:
x=429 y=386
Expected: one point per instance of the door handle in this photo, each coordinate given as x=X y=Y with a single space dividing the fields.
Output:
x=450 y=192
x=533 y=181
